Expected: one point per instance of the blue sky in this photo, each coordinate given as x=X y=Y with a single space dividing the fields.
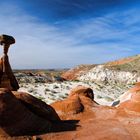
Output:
x=65 y=33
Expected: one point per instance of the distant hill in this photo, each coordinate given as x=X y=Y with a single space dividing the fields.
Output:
x=42 y=76
x=126 y=70
x=130 y=64
x=73 y=73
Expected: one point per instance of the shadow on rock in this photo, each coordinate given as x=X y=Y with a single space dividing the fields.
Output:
x=66 y=125
x=22 y=114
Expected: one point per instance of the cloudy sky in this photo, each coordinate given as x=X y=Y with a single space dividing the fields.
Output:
x=65 y=33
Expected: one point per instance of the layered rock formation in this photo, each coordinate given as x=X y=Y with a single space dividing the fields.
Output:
x=74 y=73
x=102 y=74
x=120 y=71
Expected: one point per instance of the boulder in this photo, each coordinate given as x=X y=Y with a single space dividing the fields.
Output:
x=37 y=106
x=82 y=91
x=80 y=99
x=18 y=117
x=68 y=106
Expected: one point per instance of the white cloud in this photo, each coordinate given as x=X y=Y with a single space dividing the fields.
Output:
x=41 y=45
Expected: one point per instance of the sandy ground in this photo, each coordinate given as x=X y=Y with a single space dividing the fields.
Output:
x=51 y=92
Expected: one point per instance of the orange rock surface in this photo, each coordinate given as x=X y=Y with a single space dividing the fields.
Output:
x=81 y=114
x=121 y=61
x=37 y=106
x=22 y=114
x=133 y=103
x=98 y=122
x=79 y=100
x=16 y=119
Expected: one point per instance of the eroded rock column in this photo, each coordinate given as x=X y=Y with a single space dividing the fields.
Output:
x=7 y=78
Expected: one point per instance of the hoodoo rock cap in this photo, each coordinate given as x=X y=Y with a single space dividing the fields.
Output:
x=6 y=39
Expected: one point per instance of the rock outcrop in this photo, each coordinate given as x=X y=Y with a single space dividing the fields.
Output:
x=82 y=91
x=131 y=99
x=80 y=99
x=17 y=120
x=97 y=122
x=36 y=106
x=7 y=78
x=22 y=114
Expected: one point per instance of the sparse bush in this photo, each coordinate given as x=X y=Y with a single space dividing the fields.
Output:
x=62 y=96
x=51 y=94
x=41 y=98
x=21 y=85
x=30 y=90
x=67 y=87
x=36 y=85
x=99 y=96
x=53 y=91
x=35 y=93
x=66 y=94
x=55 y=86
x=51 y=98
x=134 y=71
x=46 y=89
x=109 y=99
x=76 y=80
